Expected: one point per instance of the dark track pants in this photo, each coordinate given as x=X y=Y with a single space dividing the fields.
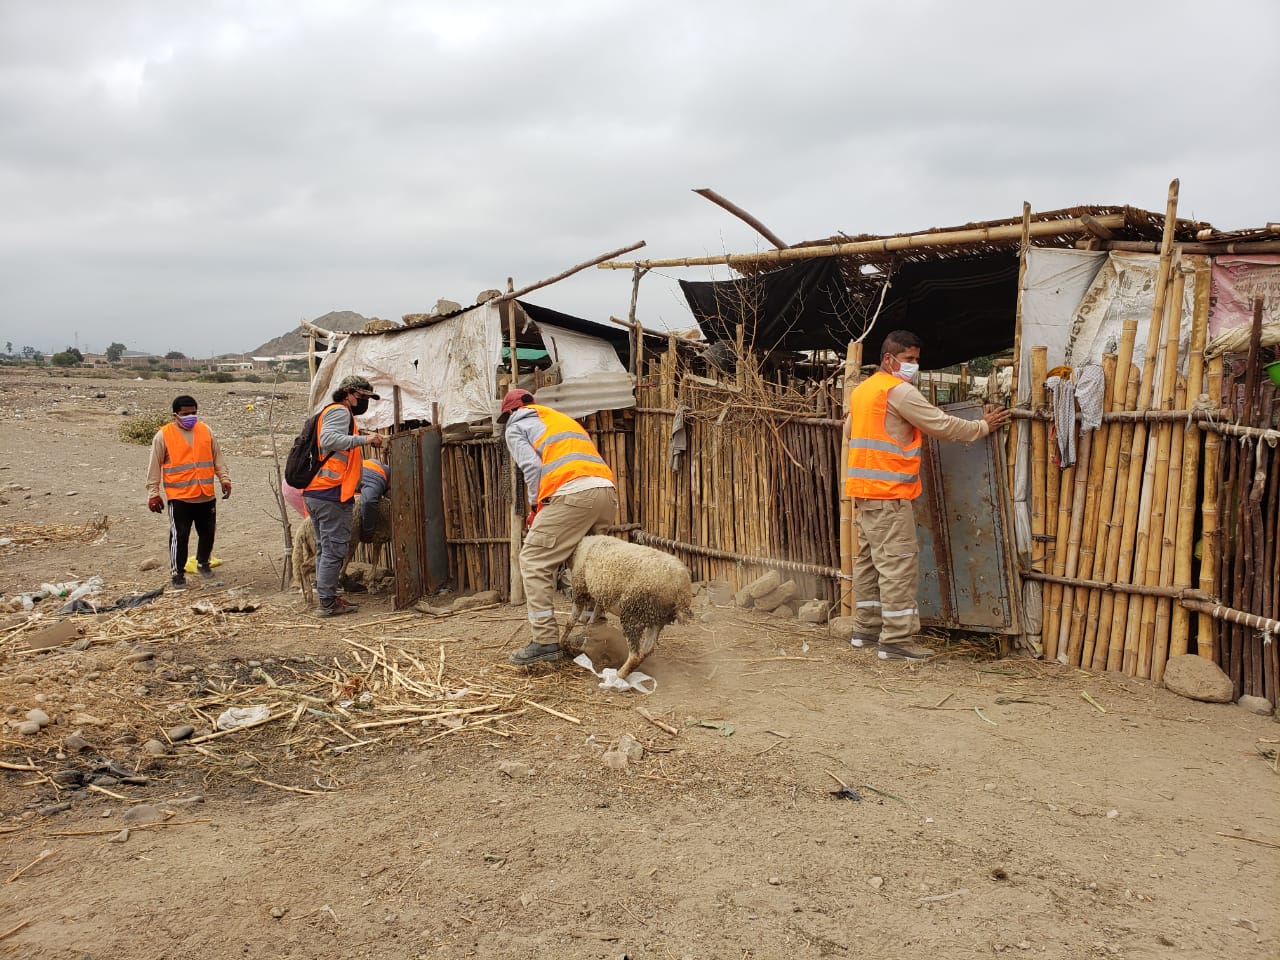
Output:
x=183 y=514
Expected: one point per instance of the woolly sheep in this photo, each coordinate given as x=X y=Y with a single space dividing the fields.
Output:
x=646 y=588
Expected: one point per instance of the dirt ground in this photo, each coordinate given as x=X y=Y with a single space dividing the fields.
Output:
x=1001 y=810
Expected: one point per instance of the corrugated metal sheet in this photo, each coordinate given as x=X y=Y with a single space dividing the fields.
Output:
x=601 y=391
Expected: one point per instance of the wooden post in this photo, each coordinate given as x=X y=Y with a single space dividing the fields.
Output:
x=311 y=356
x=516 y=517
x=1180 y=626
x=637 y=335
x=1024 y=244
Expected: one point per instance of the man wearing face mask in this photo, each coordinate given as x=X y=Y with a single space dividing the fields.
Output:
x=185 y=458
x=330 y=495
x=887 y=418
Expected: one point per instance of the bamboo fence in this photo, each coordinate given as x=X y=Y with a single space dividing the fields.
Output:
x=757 y=485
x=1163 y=500
x=478 y=498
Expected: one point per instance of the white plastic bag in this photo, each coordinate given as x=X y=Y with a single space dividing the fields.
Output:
x=609 y=680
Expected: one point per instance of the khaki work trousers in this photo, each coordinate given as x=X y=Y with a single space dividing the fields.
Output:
x=886 y=572
x=557 y=530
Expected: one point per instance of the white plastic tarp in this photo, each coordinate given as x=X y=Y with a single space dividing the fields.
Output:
x=1053 y=285
x=452 y=363
x=579 y=354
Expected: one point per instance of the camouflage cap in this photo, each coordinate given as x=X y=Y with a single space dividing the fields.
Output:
x=358 y=383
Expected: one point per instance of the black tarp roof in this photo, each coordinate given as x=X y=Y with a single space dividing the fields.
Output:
x=961 y=308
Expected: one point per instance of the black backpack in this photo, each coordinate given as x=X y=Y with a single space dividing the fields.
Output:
x=304 y=460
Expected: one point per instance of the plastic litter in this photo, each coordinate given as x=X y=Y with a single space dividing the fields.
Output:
x=124 y=603
x=234 y=717
x=609 y=680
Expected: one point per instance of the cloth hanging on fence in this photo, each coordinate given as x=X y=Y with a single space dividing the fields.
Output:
x=1063 y=393
x=679 y=437
x=1091 y=385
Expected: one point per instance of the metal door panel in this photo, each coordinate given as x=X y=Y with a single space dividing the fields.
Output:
x=966 y=571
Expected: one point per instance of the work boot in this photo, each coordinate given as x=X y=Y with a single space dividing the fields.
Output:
x=903 y=651
x=335 y=608
x=857 y=641
x=205 y=571
x=178 y=583
x=537 y=653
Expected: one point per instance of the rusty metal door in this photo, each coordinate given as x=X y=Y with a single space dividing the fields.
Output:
x=417 y=514
x=967 y=576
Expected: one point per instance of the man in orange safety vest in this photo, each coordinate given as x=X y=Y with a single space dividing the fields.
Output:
x=887 y=418
x=185 y=459
x=571 y=494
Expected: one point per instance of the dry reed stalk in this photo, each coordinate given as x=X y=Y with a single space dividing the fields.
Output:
x=1149 y=546
x=1180 y=625
x=1089 y=556
x=1039 y=459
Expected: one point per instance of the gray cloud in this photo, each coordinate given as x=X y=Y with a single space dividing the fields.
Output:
x=199 y=177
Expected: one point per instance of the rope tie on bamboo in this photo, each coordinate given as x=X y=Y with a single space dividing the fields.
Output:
x=1203 y=408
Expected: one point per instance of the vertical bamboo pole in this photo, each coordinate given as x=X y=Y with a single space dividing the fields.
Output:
x=1163 y=605
x=1039 y=460
x=1134 y=486
x=1083 y=470
x=1110 y=509
x=1060 y=484
x=1024 y=244
x=848 y=531
x=1180 y=625
x=1148 y=554
x=1089 y=557
x=516 y=516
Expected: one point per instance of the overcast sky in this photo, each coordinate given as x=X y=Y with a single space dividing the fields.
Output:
x=200 y=176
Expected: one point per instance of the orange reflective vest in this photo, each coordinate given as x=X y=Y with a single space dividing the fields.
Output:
x=567 y=452
x=187 y=473
x=343 y=466
x=879 y=467
x=377 y=467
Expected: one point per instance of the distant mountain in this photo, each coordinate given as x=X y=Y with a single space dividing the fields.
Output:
x=295 y=341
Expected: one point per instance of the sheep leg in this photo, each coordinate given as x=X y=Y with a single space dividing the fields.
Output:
x=635 y=634
x=568 y=627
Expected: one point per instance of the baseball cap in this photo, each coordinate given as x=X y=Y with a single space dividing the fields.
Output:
x=358 y=383
x=513 y=401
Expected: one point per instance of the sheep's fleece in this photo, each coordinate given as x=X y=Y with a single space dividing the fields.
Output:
x=647 y=588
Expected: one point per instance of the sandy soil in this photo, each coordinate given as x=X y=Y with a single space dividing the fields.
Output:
x=1001 y=811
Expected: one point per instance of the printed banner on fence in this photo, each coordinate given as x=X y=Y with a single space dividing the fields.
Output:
x=1236 y=281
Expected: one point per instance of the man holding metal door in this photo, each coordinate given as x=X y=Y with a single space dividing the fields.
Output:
x=888 y=417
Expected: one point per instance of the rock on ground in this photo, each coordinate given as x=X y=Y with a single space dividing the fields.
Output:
x=1196 y=678
x=1259 y=705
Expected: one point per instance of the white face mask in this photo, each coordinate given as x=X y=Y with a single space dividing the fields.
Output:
x=907 y=371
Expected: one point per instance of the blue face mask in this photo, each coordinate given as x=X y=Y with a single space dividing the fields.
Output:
x=187 y=422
